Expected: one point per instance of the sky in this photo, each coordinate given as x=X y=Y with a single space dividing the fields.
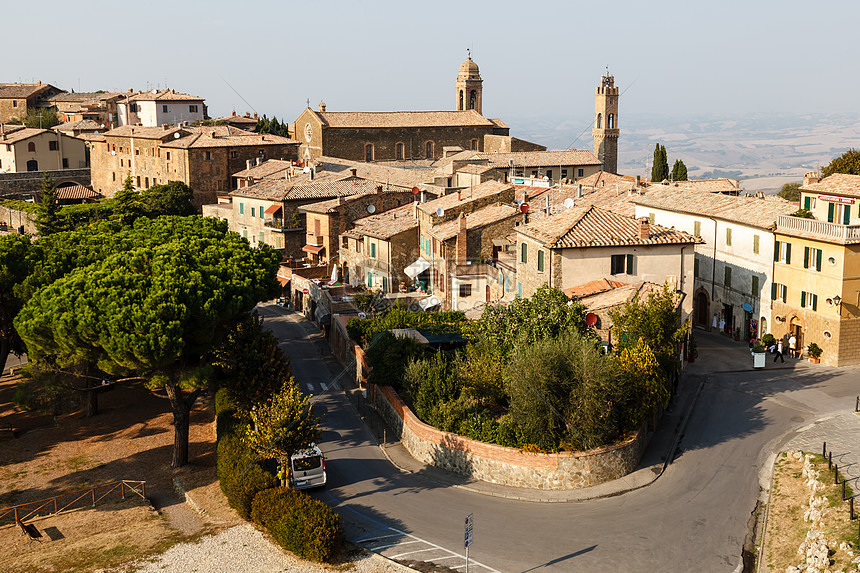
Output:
x=537 y=58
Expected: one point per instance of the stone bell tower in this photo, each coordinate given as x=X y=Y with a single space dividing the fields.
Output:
x=606 y=132
x=469 y=86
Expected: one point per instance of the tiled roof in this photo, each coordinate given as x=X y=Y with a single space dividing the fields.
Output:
x=590 y=226
x=386 y=224
x=301 y=187
x=76 y=192
x=473 y=169
x=225 y=136
x=21 y=91
x=475 y=220
x=620 y=295
x=836 y=184
x=157 y=132
x=82 y=125
x=499 y=122
x=268 y=168
x=381 y=119
x=398 y=176
x=605 y=178
x=721 y=185
x=594 y=287
x=540 y=158
x=362 y=189
x=163 y=95
x=761 y=213
x=247 y=120
x=90 y=136
x=485 y=189
x=83 y=96
x=21 y=134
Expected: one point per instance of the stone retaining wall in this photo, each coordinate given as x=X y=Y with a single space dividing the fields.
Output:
x=507 y=466
x=14 y=219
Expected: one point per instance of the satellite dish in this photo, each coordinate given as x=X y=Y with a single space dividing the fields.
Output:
x=176 y=135
x=524 y=207
x=361 y=315
x=590 y=319
x=415 y=190
x=568 y=203
x=440 y=212
x=371 y=209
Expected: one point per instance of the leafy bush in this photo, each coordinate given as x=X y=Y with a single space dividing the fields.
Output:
x=271 y=505
x=362 y=330
x=240 y=475
x=226 y=412
x=309 y=528
x=388 y=355
x=814 y=350
x=767 y=340
x=17 y=205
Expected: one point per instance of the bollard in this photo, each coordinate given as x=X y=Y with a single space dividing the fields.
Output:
x=843 y=490
x=830 y=461
x=851 y=509
x=836 y=474
x=824 y=449
x=857 y=404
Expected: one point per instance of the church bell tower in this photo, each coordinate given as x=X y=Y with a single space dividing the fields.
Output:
x=605 y=132
x=469 y=86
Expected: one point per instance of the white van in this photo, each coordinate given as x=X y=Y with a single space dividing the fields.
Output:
x=307 y=468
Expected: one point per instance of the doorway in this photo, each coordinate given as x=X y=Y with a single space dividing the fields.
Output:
x=728 y=319
x=796 y=330
x=702 y=312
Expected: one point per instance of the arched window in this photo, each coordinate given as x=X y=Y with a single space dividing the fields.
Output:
x=599 y=120
x=473 y=145
x=31 y=147
x=428 y=150
x=460 y=107
x=32 y=165
x=398 y=151
x=610 y=121
x=368 y=152
x=473 y=98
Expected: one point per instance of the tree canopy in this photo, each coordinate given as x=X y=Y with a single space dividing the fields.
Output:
x=660 y=164
x=679 y=171
x=848 y=162
x=48 y=208
x=790 y=192
x=39 y=117
x=15 y=267
x=282 y=425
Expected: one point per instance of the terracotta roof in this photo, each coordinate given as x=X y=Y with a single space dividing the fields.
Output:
x=301 y=187
x=157 y=132
x=163 y=95
x=76 y=192
x=761 y=213
x=594 y=287
x=621 y=294
x=836 y=184
x=590 y=226
x=91 y=136
x=388 y=175
x=268 y=168
x=605 y=178
x=485 y=189
x=22 y=91
x=721 y=185
x=386 y=224
x=83 y=96
x=238 y=119
x=540 y=158
x=22 y=134
x=82 y=125
x=473 y=169
x=225 y=136
x=499 y=122
x=363 y=188
x=475 y=220
x=377 y=119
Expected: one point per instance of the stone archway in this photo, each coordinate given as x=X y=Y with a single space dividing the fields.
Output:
x=701 y=310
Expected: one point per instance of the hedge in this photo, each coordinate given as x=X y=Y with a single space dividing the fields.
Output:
x=241 y=477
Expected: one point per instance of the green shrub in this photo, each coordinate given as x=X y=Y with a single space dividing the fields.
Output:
x=226 y=413
x=387 y=356
x=245 y=484
x=309 y=528
x=768 y=340
x=271 y=505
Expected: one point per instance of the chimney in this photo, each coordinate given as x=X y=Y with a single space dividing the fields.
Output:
x=259 y=160
x=579 y=191
x=525 y=196
x=810 y=177
x=644 y=228
x=130 y=90
x=461 y=251
x=354 y=172
x=2 y=131
x=255 y=115
x=379 y=199
x=459 y=195
x=638 y=180
x=322 y=107
x=248 y=163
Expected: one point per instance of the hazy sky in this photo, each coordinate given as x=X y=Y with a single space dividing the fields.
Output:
x=536 y=58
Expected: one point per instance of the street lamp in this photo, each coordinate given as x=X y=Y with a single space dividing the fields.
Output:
x=837 y=300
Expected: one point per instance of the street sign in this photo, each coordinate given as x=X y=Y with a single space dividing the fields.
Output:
x=468 y=529
x=304 y=291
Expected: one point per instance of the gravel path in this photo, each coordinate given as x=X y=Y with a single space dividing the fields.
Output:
x=243 y=549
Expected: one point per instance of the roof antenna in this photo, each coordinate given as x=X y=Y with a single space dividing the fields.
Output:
x=309 y=102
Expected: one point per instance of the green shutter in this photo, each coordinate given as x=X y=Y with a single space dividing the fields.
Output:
x=630 y=265
x=755 y=244
x=815 y=302
x=540 y=261
x=788 y=253
x=755 y=290
x=805 y=257
x=524 y=253
x=697 y=228
x=807 y=203
x=384 y=284
x=369 y=280
x=241 y=208
x=818 y=260
x=773 y=291
x=727 y=278
x=776 y=251
x=803 y=299
x=373 y=250
x=830 y=209
x=729 y=237
x=696 y=268
x=847 y=218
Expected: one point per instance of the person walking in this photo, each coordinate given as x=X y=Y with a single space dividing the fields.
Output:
x=792 y=347
x=777 y=349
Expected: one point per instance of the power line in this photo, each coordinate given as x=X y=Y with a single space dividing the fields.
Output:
x=238 y=94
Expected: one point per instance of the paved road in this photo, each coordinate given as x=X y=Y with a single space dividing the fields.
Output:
x=694 y=518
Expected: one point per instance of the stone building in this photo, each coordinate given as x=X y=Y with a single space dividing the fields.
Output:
x=378 y=248
x=156 y=108
x=204 y=158
x=816 y=268
x=99 y=107
x=32 y=149
x=587 y=243
x=605 y=132
x=17 y=99
x=470 y=86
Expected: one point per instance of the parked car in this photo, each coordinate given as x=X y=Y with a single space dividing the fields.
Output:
x=307 y=468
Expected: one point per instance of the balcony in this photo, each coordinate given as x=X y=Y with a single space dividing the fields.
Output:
x=821 y=230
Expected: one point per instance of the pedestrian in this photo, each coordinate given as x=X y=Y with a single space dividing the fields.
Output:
x=792 y=347
x=778 y=349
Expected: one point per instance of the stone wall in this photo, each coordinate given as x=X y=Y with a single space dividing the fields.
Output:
x=23 y=184
x=507 y=466
x=15 y=219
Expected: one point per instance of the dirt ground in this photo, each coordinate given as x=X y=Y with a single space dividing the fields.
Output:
x=131 y=438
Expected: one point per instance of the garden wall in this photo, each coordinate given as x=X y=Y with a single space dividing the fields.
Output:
x=508 y=466
x=14 y=219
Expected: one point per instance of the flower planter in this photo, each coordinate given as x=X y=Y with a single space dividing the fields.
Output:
x=814 y=359
x=759 y=359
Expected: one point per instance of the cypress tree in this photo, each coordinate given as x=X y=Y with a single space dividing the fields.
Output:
x=48 y=214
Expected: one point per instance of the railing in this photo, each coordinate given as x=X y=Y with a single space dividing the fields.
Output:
x=820 y=228
x=52 y=505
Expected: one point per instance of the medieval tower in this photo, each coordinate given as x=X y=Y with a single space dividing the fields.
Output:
x=605 y=132
x=469 y=86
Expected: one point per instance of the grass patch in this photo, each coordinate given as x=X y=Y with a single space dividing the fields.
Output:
x=789 y=499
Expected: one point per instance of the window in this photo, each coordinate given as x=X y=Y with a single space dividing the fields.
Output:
x=599 y=121
x=728 y=237
x=622 y=264
x=540 y=261
x=114 y=175
x=473 y=145
x=14 y=103
x=344 y=242
x=838 y=213
x=398 y=151
x=778 y=292
x=244 y=233
x=241 y=208
x=31 y=147
x=809 y=203
x=233 y=155
x=549 y=173
x=727 y=277
x=253 y=213
x=808 y=300
x=696 y=267
x=428 y=150
x=137 y=151
x=369 y=280
x=164 y=108
x=53 y=146
x=138 y=181
x=372 y=250
x=755 y=244
x=168 y=156
x=368 y=152
x=262 y=239
x=782 y=252
x=207 y=155
x=65 y=162
x=384 y=284
x=697 y=228
x=146 y=182
x=193 y=109
x=261 y=213
x=524 y=253
x=755 y=290
x=580 y=172
x=519 y=290
x=812 y=258
x=465 y=290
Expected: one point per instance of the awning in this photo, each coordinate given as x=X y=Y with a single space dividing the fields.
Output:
x=501 y=243
x=283 y=280
x=315 y=249
x=272 y=209
x=416 y=268
x=429 y=302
